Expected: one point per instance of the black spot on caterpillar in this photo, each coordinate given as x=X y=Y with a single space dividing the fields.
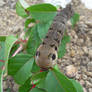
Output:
x=46 y=55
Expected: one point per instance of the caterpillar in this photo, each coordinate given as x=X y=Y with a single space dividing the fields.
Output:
x=46 y=54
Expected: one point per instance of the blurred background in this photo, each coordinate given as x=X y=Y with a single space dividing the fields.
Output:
x=79 y=50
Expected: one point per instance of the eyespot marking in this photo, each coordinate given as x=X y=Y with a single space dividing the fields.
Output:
x=55 y=48
x=53 y=57
x=37 y=53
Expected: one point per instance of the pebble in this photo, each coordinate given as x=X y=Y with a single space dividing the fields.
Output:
x=2 y=3
x=88 y=84
x=71 y=71
x=84 y=90
x=72 y=53
x=85 y=49
x=84 y=77
x=90 y=89
x=90 y=52
x=82 y=82
x=89 y=66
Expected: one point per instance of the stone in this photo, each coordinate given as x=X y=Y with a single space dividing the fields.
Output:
x=85 y=49
x=2 y=3
x=84 y=90
x=82 y=82
x=89 y=66
x=88 y=84
x=84 y=77
x=90 y=89
x=72 y=53
x=88 y=73
x=71 y=71
x=90 y=52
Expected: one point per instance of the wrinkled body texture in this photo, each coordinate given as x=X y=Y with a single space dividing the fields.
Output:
x=46 y=54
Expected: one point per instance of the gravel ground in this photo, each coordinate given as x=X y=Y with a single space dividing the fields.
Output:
x=77 y=62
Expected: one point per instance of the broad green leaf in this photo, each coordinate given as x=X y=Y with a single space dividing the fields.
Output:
x=20 y=10
x=10 y=40
x=75 y=19
x=35 y=68
x=34 y=41
x=43 y=12
x=77 y=85
x=26 y=86
x=62 y=47
x=50 y=83
x=20 y=67
x=65 y=83
x=39 y=75
x=38 y=90
x=2 y=38
x=1 y=75
x=43 y=28
x=2 y=53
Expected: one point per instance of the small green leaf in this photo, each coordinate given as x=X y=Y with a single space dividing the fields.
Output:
x=77 y=85
x=26 y=86
x=43 y=12
x=38 y=90
x=20 y=10
x=20 y=67
x=34 y=41
x=75 y=19
x=62 y=47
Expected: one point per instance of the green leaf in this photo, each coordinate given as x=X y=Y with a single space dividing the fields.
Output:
x=77 y=85
x=20 y=10
x=50 y=83
x=10 y=40
x=64 y=81
x=33 y=42
x=38 y=90
x=2 y=53
x=35 y=68
x=75 y=19
x=13 y=49
x=26 y=86
x=62 y=47
x=43 y=28
x=39 y=75
x=1 y=75
x=20 y=67
x=2 y=38
x=43 y=12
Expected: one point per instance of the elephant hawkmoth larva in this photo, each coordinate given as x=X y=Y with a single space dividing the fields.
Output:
x=46 y=54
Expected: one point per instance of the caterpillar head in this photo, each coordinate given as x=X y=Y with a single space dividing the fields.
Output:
x=46 y=56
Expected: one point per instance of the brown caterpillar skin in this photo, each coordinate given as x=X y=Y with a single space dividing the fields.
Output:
x=46 y=54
